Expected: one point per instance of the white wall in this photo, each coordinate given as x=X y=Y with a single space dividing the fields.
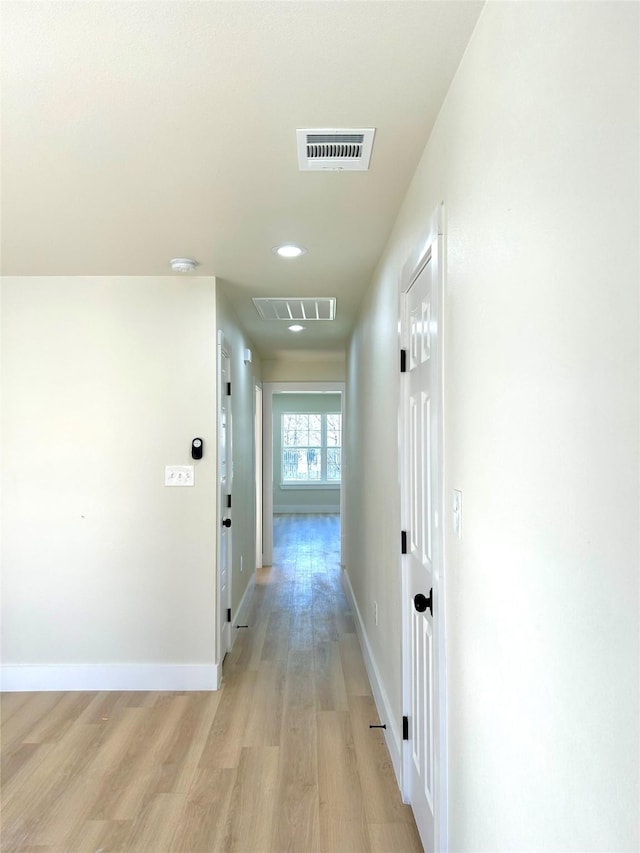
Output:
x=243 y=379
x=108 y=577
x=302 y=370
x=535 y=155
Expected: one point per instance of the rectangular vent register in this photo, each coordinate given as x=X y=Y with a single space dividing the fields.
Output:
x=335 y=149
x=311 y=308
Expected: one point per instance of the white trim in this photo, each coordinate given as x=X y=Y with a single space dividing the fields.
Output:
x=305 y=485
x=301 y=509
x=150 y=676
x=240 y=617
x=257 y=467
x=392 y=734
x=267 y=474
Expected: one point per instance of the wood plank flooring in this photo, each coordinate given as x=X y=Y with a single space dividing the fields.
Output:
x=281 y=759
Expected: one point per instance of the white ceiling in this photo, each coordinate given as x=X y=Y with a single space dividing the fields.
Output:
x=135 y=132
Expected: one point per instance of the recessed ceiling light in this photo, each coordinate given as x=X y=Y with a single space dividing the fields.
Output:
x=296 y=328
x=289 y=251
x=183 y=264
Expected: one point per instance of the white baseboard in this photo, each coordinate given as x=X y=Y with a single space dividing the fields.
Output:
x=293 y=509
x=392 y=732
x=243 y=608
x=90 y=677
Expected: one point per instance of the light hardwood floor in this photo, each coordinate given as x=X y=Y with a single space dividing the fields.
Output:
x=280 y=759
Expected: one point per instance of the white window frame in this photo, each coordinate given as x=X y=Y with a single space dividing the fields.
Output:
x=323 y=482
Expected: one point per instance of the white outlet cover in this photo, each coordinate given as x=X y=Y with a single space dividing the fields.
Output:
x=179 y=475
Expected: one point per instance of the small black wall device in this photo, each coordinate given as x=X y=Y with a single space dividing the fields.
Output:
x=197 y=446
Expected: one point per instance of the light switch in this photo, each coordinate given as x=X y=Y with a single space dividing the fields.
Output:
x=457 y=513
x=178 y=475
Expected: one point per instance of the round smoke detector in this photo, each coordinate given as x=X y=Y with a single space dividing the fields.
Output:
x=183 y=265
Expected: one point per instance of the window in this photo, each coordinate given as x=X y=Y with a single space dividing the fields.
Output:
x=311 y=448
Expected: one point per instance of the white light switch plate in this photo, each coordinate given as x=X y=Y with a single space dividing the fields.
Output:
x=178 y=475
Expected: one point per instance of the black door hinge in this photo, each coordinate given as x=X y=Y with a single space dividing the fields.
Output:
x=228 y=501
x=403 y=542
x=403 y=361
x=405 y=728
x=228 y=389
x=228 y=614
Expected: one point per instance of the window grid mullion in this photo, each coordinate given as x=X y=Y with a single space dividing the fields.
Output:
x=324 y=445
x=323 y=449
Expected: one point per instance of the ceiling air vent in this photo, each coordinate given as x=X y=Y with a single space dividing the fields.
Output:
x=310 y=308
x=335 y=150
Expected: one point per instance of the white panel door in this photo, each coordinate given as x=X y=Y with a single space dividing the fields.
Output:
x=422 y=477
x=224 y=496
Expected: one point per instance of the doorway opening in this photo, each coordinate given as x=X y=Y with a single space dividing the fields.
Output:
x=303 y=457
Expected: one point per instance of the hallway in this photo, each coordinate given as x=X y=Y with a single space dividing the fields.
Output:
x=281 y=759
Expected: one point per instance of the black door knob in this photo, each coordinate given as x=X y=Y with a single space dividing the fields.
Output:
x=422 y=603
x=226 y=522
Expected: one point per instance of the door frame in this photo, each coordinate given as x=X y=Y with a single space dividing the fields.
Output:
x=268 y=390
x=223 y=349
x=257 y=447
x=430 y=248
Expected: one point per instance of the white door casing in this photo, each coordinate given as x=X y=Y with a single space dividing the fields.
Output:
x=225 y=479
x=257 y=396
x=424 y=754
